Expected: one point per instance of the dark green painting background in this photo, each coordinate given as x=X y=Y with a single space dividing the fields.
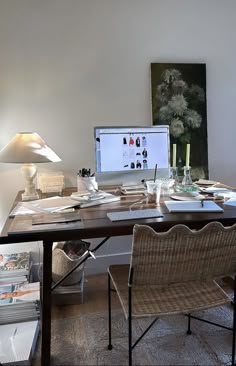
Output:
x=191 y=74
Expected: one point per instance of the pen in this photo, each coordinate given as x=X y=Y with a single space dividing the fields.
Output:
x=14 y=332
x=84 y=172
x=155 y=173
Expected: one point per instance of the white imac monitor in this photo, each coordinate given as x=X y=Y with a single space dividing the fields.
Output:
x=128 y=155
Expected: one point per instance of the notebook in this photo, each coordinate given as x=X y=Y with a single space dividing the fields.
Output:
x=193 y=206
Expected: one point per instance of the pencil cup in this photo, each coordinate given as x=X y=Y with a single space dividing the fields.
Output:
x=86 y=184
x=153 y=191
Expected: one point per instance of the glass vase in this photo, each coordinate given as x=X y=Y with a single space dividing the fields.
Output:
x=174 y=174
x=187 y=180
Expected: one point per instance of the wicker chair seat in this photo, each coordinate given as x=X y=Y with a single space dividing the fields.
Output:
x=174 y=272
x=166 y=300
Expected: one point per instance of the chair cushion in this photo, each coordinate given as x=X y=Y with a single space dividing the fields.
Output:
x=166 y=300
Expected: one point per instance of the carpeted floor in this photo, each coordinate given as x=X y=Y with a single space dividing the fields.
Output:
x=83 y=341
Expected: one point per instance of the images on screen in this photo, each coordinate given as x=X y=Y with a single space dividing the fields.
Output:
x=132 y=149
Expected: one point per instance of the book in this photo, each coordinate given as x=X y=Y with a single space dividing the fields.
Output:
x=18 y=342
x=193 y=206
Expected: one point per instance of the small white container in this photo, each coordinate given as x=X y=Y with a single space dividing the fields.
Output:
x=86 y=184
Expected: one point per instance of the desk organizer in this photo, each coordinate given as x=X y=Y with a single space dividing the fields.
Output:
x=86 y=184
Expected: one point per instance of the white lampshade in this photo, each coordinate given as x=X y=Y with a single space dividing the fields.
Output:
x=28 y=148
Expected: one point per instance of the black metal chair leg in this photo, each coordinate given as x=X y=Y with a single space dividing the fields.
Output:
x=130 y=328
x=189 y=322
x=234 y=324
x=109 y=312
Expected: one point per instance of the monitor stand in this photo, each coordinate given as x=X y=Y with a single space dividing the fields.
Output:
x=130 y=178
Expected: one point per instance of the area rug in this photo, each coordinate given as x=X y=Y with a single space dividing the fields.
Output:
x=83 y=340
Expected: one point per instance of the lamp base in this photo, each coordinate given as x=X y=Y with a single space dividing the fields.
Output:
x=29 y=172
x=29 y=197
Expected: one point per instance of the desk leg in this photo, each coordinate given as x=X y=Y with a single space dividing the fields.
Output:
x=46 y=304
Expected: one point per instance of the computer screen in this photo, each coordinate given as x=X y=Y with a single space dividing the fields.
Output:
x=125 y=151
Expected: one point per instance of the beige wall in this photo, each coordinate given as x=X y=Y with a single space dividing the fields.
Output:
x=68 y=65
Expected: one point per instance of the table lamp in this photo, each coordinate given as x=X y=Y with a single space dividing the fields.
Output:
x=28 y=148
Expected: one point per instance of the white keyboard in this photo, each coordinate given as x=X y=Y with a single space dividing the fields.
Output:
x=133 y=215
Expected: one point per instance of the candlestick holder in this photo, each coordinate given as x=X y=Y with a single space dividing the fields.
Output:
x=174 y=173
x=187 y=180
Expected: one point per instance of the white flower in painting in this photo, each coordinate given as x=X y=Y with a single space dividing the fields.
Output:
x=176 y=127
x=170 y=75
x=192 y=118
x=179 y=87
x=178 y=104
x=165 y=114
x=162 y=93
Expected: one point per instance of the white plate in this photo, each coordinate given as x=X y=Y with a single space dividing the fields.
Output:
x=215 y=190
x=187 y=196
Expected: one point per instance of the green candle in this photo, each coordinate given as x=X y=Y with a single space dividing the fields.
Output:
x=187 y=155
x=174 y=156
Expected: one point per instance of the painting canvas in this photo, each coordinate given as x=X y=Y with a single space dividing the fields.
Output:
x=179 y=100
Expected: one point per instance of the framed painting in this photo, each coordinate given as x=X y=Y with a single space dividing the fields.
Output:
x=179 y=100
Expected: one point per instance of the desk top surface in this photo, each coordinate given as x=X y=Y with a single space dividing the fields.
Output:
x=95 y=223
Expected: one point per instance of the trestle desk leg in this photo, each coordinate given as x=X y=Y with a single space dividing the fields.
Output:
x=46 y=304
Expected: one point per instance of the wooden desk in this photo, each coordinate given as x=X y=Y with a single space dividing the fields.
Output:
x=97 y=225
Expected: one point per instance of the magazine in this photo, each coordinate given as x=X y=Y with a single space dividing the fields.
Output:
x=19 y=292
x=14 y=262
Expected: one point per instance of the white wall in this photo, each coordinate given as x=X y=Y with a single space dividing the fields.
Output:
x=68 y=65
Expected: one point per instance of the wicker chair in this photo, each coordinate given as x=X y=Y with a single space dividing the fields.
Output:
x=173 y=273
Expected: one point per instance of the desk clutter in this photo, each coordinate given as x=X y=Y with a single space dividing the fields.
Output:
x=45 y=205
x=202 y=196
x=94 y=199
